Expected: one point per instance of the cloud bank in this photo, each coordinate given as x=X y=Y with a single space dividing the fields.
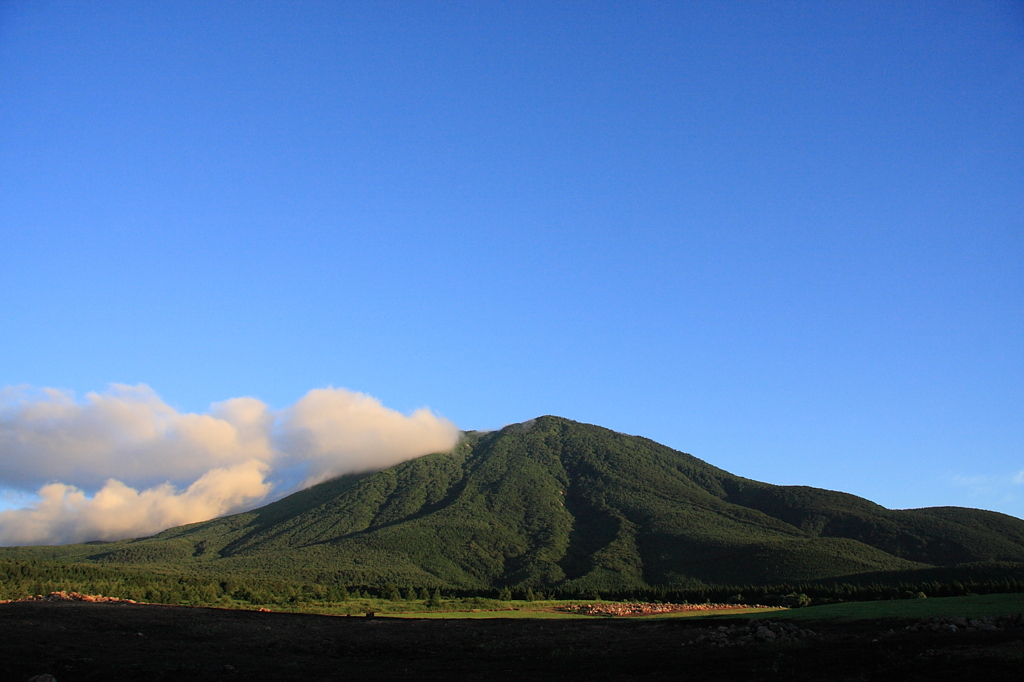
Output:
x=152 y=467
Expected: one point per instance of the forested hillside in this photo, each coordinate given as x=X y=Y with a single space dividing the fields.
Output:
x=554 y=504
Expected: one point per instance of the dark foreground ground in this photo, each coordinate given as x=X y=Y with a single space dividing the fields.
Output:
x=76 y=641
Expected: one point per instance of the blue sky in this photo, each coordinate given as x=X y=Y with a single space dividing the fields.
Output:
x=787 y=238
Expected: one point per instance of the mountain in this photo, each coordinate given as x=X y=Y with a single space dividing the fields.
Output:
x=555 y=503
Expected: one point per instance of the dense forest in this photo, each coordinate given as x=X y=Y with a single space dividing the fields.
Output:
x=22 y=579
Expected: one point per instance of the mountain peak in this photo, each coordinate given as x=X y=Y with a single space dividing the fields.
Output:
x=551 y=502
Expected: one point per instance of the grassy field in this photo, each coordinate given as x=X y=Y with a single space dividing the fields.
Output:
x=481 y=608
x=974 y=606
x=549 y=610
x=455 y=608
x=536 y=611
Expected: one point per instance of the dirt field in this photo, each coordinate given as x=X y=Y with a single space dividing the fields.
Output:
x=76 y=641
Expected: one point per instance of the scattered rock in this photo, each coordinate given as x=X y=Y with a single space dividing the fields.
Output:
x=949 y=624
x=754 y=632
x=75 y=596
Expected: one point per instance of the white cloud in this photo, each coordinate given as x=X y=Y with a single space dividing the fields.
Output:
x=153 y=467
x=128 y=433
x=338 y=431
x=66 y=514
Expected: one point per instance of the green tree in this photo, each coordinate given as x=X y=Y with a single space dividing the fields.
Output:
x=435 y=598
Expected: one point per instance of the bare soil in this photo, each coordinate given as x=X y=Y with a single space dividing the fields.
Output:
x=77 y=641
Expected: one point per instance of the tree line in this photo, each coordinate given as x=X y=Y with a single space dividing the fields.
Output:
x=28 y=577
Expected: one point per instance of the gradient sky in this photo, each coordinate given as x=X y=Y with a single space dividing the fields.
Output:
x=787 y=238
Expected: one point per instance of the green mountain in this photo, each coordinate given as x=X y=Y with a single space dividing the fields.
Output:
x=554 y=503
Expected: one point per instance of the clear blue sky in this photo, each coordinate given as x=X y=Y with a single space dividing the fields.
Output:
x=787 y=238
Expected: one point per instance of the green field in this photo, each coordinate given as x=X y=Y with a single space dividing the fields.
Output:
x=547 y=609
x=454 y=608
x=459 y=608
x=529 y=612
x=973 y=606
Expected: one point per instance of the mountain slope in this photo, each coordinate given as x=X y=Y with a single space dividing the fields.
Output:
x=552 y=502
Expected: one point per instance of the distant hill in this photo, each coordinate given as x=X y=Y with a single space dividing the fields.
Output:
x=554 y=503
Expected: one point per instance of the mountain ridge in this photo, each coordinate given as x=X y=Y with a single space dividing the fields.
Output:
x=555 y=503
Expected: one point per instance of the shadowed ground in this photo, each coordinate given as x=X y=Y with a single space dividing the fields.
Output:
x=83 y=641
